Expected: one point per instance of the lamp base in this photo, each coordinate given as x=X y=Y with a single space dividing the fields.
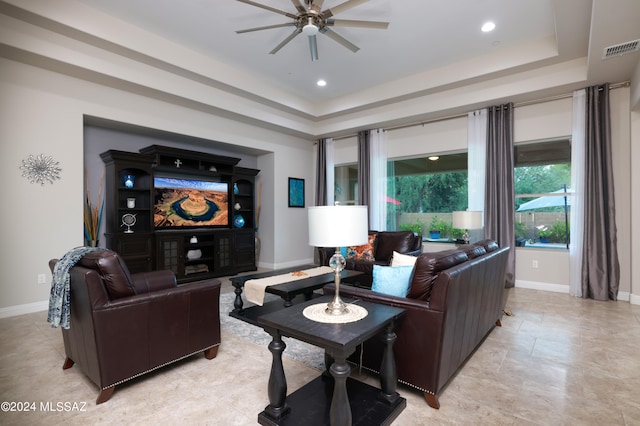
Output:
x=336 y=307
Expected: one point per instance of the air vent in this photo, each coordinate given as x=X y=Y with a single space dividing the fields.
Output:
x=621 y=49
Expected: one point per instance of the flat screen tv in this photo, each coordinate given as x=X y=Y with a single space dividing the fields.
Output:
x=190 y=203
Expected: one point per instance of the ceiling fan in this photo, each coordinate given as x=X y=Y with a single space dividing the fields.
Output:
x=310 y=20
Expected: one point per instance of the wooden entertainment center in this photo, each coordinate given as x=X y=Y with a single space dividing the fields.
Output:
x=193 y=253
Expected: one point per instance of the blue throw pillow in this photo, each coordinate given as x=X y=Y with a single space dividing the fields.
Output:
x=392 y=280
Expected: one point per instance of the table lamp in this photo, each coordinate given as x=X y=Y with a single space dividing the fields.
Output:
x=466 y=220
x=338 y=226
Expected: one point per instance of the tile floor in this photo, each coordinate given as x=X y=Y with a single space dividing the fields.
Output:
x=557 y=361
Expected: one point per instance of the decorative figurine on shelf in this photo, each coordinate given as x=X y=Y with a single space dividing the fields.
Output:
x=194 y=240
x=194 y=254
x=238 y=221
x=128 y=220
x=235 y=188
x=131 y=203
x=128 y=181
x=237 y=206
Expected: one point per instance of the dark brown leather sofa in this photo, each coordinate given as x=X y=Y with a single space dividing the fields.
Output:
x=125 y=325
x=455 y=300
x=386 y=242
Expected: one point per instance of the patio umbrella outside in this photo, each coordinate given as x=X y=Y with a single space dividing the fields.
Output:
x=393 y=201
x=546 y=201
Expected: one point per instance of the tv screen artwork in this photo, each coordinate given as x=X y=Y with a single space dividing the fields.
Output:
x=190 y=203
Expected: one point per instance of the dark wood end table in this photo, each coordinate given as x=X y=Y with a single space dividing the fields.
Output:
x=333 y=398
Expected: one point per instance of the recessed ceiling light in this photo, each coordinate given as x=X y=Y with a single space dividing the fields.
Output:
x=434 y=158
x=488 y=26
x=321 y=83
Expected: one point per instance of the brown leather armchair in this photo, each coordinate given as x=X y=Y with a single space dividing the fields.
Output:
x=125 y=325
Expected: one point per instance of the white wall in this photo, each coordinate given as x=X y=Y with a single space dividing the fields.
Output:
x=42 y=112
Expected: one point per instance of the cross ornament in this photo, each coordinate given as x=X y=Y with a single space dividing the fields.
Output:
x=177 y=163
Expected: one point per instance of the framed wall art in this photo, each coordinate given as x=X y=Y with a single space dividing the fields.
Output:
x=296 y=192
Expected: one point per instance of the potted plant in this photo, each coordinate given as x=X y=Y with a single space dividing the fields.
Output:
x=93 y=214
x=416 y=227
x=544 y=234
x=456 y=233
x=438 y=228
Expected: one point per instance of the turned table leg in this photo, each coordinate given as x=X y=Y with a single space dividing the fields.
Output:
x=340 y=412
x=277 y=388
x=388 y=374
x=237 y=303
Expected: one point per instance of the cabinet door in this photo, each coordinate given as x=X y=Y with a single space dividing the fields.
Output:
x=244 y=253
x=135 y=249
x=170 y=254
x=223 y=253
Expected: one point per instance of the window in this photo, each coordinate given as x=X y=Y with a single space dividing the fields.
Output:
x=346 y=184
x=421 y=192
x=542 y=177
x=424 y=191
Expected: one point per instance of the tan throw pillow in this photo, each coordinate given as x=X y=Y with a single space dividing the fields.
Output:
x=399 y=259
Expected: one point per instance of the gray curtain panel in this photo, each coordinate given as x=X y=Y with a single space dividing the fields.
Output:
x=600 y=267
x=364 y=168
x=321 y=173
x=499 y=216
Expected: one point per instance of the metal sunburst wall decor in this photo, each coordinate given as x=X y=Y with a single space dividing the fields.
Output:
x=40 y=169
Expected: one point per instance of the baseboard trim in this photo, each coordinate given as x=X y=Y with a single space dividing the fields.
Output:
x=29 y=308
x=623 y=296
x=534 y=285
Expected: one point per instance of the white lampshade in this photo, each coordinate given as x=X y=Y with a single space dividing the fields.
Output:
x=467 y=219
x=338 y=226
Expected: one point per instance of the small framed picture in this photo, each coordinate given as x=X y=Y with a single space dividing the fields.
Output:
x=296 y=192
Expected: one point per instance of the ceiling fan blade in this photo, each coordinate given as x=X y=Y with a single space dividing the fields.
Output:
x=378 y=25
x=285 y=41
x=268 y=27
x=299 y=6
x=317 y=5
x=313 y=47
x=269 y=8
x=342 y=7
x=338 y=38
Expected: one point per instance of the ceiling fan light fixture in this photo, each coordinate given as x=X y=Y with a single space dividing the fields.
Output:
x=310 y=29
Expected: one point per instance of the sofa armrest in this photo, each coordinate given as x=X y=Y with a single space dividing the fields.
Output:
x=155 y=296
x=359 y=293
x=147 y=282
x=414 y=252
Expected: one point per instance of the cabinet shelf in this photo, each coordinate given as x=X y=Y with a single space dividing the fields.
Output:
x=199 y=260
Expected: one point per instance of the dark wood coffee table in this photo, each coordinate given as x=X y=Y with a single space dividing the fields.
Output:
x=333 y=398
x=291 y=292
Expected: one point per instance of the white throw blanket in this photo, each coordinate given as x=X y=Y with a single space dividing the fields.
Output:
x=254 y=289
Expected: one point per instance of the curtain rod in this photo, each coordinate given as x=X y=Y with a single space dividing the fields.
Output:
x=519 y=104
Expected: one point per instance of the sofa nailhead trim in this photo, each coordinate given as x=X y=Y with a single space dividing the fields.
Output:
x=159 y=366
